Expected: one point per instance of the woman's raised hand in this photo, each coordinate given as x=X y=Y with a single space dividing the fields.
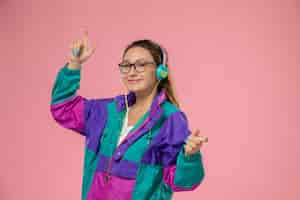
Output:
x=81 y=51
x=194 y=142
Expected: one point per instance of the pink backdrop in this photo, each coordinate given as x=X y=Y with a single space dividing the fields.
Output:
x=236 y=67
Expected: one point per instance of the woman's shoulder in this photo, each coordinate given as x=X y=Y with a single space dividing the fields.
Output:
x=174 y=119
x=175 y=127
x=170 y=109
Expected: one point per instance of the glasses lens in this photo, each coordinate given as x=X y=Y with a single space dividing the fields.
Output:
x=140 y=66
x=124 y=68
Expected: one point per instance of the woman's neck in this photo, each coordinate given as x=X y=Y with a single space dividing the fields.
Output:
x=143 y=100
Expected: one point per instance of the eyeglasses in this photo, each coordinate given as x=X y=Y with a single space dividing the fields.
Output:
x=139 y=66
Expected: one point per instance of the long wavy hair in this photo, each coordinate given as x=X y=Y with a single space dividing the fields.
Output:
x=157 y=54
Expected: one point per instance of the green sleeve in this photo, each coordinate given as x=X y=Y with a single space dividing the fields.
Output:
x=66 y=84
x=189 y=170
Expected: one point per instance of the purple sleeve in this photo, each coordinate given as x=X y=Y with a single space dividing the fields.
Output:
x=72 y=113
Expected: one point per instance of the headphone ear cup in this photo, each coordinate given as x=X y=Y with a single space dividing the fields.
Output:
x=161 y=72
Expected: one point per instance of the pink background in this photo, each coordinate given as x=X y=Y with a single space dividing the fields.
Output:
x=236 y=70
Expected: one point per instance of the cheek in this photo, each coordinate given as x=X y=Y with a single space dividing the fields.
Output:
x=124 y=81
x=149 y=79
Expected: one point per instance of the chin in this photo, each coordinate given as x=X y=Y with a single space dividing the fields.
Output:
x=132 y=89
x=137 y=88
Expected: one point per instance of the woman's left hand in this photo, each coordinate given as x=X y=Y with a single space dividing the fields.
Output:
x=194 y=142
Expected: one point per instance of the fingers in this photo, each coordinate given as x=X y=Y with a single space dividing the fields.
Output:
x=195 y=140
x=193 y=144
x=86 y=43
x=196 y=134
x=76 y=49
x=81 y=43
x=188 y=149
x=77 y=44
x=198 y=138
x=191 y=148
x=81 y=49
x=86 y=38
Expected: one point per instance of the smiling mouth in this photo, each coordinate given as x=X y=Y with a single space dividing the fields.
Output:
x=134 y=81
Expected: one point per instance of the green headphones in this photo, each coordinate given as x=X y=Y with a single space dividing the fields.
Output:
x=162 y=70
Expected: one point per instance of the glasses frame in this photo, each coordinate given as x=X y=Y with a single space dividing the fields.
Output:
x=136 y=68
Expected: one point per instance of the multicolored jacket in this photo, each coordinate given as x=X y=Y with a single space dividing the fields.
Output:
x=149 y=164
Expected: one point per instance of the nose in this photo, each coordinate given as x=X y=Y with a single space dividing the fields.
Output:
x=132 y=70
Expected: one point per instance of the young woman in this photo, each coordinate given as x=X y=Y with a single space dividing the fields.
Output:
x=137 y=145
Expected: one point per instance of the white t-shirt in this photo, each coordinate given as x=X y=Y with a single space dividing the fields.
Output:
x=125 y=128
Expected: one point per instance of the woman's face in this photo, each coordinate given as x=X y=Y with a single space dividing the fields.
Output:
x=139 y=81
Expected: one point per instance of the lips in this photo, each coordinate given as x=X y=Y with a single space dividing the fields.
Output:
x=134 y=80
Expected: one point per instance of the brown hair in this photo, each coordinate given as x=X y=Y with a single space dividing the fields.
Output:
x=157 y=54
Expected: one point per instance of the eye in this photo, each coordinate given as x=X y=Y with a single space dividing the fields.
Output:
x=141 y=63
x=124 y=65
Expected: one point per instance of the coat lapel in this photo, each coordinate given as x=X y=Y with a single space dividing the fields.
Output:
x=155 y=114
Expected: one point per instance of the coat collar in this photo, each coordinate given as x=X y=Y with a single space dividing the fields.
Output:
x=155 y=114
x=159 y=98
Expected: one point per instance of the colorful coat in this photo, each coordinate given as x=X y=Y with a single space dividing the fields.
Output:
x=149 y=164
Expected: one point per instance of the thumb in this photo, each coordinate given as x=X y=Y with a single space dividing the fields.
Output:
x=89 y=53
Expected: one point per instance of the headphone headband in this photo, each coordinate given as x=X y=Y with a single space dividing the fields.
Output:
x=164 y=57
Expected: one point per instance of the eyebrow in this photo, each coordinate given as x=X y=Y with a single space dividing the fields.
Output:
x=140 y=59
